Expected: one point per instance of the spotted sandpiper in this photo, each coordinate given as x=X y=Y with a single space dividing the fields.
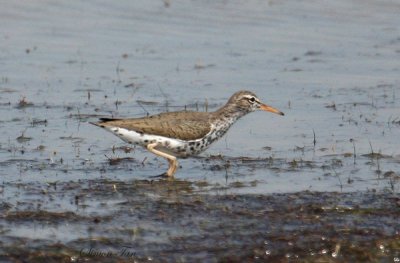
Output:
x=184 y=133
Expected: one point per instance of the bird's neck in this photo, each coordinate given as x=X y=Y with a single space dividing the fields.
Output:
x=229 y=113
x=222 y=120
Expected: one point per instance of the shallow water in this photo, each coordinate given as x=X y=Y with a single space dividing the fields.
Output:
x=332 y=67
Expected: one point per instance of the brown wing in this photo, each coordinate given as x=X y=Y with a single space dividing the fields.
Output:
x=179 y=125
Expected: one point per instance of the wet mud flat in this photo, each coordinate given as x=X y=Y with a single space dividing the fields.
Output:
x=74 y=197
x=176 y=221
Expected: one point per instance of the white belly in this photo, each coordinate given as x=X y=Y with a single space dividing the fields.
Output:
x=176 y=147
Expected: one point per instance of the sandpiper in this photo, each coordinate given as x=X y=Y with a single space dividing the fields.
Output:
x=183 y=133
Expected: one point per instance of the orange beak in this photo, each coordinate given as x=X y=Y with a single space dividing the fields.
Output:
x=271 y=109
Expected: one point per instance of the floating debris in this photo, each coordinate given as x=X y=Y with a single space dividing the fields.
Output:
x=23 y=103
x=23 y=138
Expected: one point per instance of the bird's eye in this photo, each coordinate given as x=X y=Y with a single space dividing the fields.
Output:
x=252 y=99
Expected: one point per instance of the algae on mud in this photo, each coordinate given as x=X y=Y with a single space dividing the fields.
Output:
x=172 y=221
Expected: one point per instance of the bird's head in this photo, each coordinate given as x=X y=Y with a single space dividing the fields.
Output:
x=247 y=101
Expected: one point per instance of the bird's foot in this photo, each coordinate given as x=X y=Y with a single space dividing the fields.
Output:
x=163 y=175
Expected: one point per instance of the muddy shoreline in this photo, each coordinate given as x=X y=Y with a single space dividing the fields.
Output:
x=170 y=221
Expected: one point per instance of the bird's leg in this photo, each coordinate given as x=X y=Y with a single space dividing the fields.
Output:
x=173 y=163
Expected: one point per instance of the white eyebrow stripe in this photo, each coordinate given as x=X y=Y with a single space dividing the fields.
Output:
x=250 y=97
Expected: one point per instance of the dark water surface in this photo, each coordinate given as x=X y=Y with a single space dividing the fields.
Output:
x=264 y=191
